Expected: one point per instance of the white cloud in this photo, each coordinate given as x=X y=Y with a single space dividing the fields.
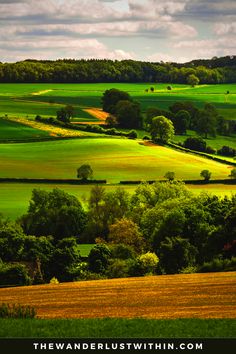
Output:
x=225 y=28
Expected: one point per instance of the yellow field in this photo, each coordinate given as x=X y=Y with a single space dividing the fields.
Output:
x=211 y=295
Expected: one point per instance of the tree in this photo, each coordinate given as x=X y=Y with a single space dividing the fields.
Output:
x=65 y=114
x=128 y=114
x=193 y=80
x=195 y=143
x=162 y=128
x=64 y=259
x=54 y=213
x=207 y=121
x=98 y=258
x=111 y=97
x=170 y=176
x=181 y=122
x=176 y=253
x=84 y=172
x=206 y=174
x=126 y=232
x=233 y=173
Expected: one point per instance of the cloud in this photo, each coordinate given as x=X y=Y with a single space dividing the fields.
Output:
x=225 y=28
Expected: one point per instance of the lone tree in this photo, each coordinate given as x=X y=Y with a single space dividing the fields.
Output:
x=233 y=173
x=206 y=174
x=161 y=128
x=193 y=80
x=84 y=172
x=65 y=114
x=170 y=176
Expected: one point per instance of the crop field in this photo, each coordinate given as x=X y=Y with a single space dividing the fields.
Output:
x=210 y=295
x=45 y=99
x=15 y=196
x=14 y=130
x=113 y=159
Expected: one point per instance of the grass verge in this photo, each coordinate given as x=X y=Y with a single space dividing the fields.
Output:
x=118 y=328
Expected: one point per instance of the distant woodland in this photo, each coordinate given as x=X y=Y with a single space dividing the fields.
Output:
x=212 y=71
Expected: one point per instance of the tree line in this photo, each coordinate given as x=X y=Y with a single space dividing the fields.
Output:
x=216 y=70
x=159 y=229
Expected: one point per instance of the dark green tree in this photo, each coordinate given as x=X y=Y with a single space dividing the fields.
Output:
x=111 y=97
x=98 y=258
x=128 y=114
x=84 y=172
x=175 y=254
x=54 y=213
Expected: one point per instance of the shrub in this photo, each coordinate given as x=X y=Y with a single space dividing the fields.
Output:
x=146 y=137
x=218 y=265
x=210 y=150
x=16 y=311
x=226 y=151
x=197 y=144
x=149 y=262
x=54 y=281
x=132 y=134
x=169 y=88
x=118 y=268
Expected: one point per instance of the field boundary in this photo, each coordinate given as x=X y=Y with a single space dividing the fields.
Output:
x=104 y=181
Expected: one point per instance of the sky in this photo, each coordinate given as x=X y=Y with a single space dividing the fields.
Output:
x=147 y=30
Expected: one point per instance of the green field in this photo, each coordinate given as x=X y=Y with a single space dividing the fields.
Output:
x=113 y=159
x=118 y=328
x=46 y=99
x=16 y=131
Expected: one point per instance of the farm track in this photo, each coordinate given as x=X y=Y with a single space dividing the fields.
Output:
x=210 y=295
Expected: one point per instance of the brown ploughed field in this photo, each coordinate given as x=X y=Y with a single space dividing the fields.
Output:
x=209 y=295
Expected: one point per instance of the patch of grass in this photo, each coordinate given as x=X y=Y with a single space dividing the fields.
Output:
x=118 y=328
x=85 y=249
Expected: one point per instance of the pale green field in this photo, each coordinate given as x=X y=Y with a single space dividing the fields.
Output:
x=15 y=197
x=113 y=159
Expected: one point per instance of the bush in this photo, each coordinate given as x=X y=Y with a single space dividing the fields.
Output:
x=146 y=137
x=218 y=265
x=132 y=134
x=210 y=150
x=118 y=268
x=14 y=274
x=148 y=262
x=54 y=281
x=16 y=311
x=197 y=144
x=226 y=151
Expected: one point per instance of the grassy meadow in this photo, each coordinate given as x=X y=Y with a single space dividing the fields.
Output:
x=45 y=99
x=113 y=159
x=117 y=328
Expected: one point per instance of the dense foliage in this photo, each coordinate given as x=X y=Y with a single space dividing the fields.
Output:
x=161 y=228
x=216 y=70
